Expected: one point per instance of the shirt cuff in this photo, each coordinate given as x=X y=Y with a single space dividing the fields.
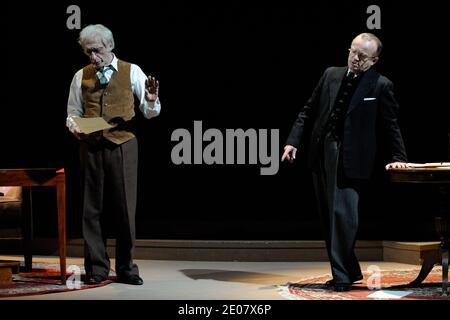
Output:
x=152 y=108
x=72 y=125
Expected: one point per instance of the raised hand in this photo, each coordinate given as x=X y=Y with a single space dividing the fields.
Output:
x=151 y=89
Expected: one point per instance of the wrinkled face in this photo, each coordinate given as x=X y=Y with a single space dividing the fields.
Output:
x=362 y=55
x=98 y=54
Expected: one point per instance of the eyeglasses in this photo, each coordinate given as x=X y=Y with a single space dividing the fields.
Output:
x=94 y=50
x=361 y=56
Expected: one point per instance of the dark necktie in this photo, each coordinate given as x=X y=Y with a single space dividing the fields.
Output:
x=351 y=74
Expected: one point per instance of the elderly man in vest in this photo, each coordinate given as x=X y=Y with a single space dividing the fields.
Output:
x=109 y=88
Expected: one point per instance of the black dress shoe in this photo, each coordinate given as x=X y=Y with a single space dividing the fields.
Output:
x=357 y=278
x=330 y=283
x=134 y=279
x=341 y=287
x=97 y=279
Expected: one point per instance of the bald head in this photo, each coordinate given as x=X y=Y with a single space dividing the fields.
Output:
x=373 y=40
x=364 y=52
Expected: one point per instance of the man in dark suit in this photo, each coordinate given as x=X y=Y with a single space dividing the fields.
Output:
x=347 y=110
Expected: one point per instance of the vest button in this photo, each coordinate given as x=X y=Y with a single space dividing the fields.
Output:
x=106 y=104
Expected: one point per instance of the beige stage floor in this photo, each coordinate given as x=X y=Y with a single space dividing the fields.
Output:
x=201 y=280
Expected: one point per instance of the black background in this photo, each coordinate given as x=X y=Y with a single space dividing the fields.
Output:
x=230 y=64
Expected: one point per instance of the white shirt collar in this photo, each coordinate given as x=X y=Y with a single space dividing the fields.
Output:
x=114 y=63
x=112 y=66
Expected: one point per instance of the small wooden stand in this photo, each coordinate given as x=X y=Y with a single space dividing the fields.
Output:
x=6 y=270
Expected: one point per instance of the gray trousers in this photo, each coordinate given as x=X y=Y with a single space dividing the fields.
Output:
x=109 y=191
x=338 y=200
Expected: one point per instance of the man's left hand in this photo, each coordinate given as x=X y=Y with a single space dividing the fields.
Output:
x=151 y=89
x=397 y=165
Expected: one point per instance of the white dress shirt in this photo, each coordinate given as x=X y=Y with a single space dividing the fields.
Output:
x=75 y=102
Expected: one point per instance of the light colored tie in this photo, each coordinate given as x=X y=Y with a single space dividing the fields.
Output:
x=102 y=77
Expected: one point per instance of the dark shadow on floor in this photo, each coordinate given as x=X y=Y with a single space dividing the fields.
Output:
x=237 y=276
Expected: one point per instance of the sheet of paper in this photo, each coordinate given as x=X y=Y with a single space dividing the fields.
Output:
x=89 y=125
x=430 y=165
x=388 y=294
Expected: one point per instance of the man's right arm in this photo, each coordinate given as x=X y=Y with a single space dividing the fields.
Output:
x=75 y=103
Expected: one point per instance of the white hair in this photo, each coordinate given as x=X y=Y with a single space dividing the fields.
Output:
x=96 y=30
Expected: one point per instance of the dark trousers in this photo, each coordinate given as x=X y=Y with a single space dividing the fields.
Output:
x=109 y=185
x=338 y=199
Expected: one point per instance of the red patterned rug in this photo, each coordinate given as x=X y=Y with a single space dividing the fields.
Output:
x=385 y=285
x=43 y=279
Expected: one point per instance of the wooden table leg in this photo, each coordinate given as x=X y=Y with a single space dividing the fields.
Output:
x=27 y=230
x=445 y=272
x=61 y=203
x=430 y=259
x=443 y=230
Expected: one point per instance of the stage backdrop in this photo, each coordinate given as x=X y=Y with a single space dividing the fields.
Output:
x=225 y=65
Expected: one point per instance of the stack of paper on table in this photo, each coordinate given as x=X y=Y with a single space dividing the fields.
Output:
x=430 y=165
x=89 y=125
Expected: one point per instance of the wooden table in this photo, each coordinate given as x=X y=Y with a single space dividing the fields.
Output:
x=439 y=178
x=42 y=177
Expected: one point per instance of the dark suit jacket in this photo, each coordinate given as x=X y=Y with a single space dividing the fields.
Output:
x=372 y=108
